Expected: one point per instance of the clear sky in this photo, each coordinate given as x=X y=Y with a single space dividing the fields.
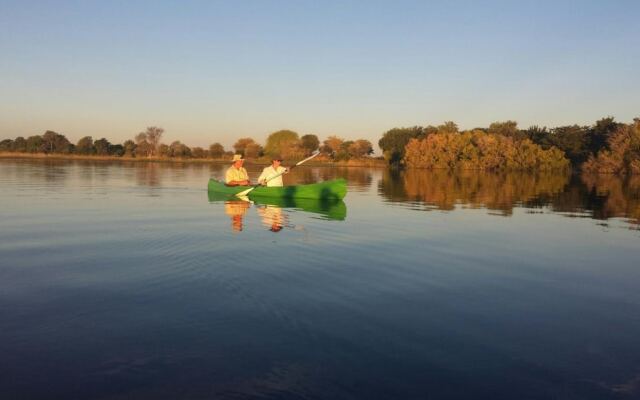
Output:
x=215 y=71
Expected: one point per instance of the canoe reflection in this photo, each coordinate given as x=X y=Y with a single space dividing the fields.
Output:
x=276 y=213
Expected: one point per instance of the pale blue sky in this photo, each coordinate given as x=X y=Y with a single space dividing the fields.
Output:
x=216 y=71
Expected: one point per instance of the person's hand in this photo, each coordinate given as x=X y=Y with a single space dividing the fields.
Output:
x=263 y=182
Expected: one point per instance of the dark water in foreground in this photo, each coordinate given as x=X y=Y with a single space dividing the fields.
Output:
x=122 y=281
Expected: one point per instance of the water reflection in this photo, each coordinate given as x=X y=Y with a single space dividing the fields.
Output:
x=444 y=190
x=275 y=213
x=272 y=217
x=617 y=196
x=595 y=196
x=236 y=210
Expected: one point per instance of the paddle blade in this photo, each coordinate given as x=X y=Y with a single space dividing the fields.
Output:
x=244 y=193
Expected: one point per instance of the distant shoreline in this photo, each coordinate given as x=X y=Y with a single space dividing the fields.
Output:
x=374 y=163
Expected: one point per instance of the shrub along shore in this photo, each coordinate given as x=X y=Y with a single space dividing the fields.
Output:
x=606 y=146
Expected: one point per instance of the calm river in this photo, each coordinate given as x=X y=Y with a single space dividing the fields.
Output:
x=127 y=281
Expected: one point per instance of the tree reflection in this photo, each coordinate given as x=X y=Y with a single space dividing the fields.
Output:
x=494 y=191
x=619 y=196
x=600 y=196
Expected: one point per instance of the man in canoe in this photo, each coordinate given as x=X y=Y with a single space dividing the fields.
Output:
x=273 y=170
x=236 y=175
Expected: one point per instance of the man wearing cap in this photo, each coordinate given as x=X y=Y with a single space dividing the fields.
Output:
x=236 y=175
x=274 y=170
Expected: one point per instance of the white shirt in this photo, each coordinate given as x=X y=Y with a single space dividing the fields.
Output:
x=269 y=172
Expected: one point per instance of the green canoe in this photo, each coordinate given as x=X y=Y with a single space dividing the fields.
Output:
x=325 y=208
x=328 y=190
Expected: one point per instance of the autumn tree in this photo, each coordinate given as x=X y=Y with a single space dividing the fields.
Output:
x=331 y=145
x=241 y=145
x=623 y=153
x=360 y=148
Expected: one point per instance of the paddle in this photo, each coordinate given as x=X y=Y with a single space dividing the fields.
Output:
x=246 y=192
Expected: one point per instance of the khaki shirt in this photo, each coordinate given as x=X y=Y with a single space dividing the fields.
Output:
x=236 y=174
x=269 y=172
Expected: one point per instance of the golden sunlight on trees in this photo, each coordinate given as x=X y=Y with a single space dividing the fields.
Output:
x=331 y=145
x=476 y=150
x=622 y=155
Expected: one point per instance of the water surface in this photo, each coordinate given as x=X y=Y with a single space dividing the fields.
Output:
x=126 y=280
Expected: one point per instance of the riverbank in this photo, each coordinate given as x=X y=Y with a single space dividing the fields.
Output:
x=371 y=163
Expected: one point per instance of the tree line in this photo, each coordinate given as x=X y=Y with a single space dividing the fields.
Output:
x=606 y=146
x=147 y=144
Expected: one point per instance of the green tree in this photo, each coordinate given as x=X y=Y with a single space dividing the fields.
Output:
x=102 y=147
x=393 y=141
x=20 y=145
x=197 y=152
x=85 y=146
x=448 y=127
x=309 y=143
x=573 y=140
x=129 y=148
x=281 y=142
x=506 y=128
x=178 y=149
x=34 y=144
x=600 y=134
x=216 y=150
x=53 y=142
x=116 y=150
x=539 y=136
x=343 y=153
x=6 y=145
x=163 y=150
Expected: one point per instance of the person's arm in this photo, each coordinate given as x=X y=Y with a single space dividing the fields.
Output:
x=263 y=177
